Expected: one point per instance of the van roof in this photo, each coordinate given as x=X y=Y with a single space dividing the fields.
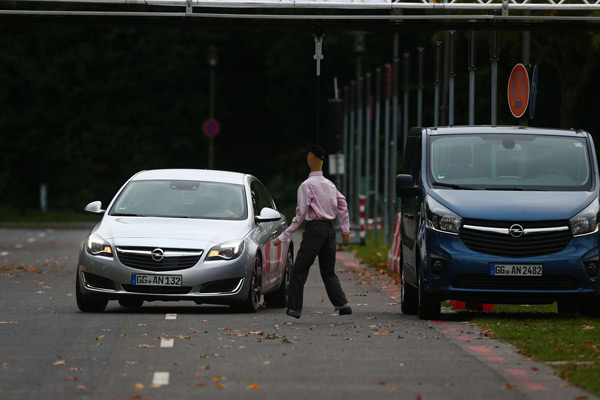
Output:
x=519 y=130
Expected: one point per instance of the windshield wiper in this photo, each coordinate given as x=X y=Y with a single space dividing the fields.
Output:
x=126 y=215
x=452 y=185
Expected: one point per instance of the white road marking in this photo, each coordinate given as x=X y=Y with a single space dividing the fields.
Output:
x=18 y=246
x=160 y=378
x=171 y=316
x=167 y=342
x=41 y=234
x=4 y=253
x=30 y=240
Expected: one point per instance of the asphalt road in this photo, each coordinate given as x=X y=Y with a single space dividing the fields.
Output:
x=51 y=350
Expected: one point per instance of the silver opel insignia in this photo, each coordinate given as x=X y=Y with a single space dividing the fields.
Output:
x=195 y=235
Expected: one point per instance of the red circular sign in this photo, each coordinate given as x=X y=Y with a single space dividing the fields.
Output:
x=211 y=127
x=518 y=90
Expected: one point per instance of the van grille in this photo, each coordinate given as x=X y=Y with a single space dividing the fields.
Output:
x=172 y=260
x=535 y=244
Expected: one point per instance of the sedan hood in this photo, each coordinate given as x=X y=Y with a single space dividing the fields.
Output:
x=513 y=205
x=129 y=229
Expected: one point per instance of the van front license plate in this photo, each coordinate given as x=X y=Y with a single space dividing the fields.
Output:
x=516 y=269
x=156 y=280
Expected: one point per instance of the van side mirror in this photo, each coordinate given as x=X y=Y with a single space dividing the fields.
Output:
x=405 y=186
x=268 y=215
x=95 y=207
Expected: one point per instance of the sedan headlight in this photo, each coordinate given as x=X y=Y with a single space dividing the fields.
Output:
x=440 y=218
x=98 y=247
x=587 y=220
x=226 y=251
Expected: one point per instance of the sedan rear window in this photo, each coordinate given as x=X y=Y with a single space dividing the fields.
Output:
x=182 y=199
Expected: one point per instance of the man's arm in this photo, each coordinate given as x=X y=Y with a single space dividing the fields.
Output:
x=301 y=211
x=342 y=211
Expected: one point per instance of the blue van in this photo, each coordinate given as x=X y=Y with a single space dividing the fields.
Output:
x=499 y=215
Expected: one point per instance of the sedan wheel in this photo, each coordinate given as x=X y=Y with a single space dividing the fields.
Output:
x=278 y=299
x=131 y=302
x=429 y=305
x=87 y=303
x=253 y=300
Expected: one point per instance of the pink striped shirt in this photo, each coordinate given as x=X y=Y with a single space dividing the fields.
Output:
x=319 y=199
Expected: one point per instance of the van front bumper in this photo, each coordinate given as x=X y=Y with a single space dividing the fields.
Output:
x=466 y=274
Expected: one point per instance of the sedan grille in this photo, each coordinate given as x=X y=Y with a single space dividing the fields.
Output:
x=158 y=259
x=530 y=283
x=157 y=289
x=516 y=239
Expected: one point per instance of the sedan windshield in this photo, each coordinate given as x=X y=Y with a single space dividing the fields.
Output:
x=510 y=162
x=182 y=199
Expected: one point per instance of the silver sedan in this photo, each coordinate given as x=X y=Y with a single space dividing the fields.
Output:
x=195 y=235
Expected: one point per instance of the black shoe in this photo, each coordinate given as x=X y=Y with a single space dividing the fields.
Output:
x=293 y=313
x=346 y=311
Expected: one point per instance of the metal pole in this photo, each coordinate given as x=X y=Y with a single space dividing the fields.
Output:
x=345 y=139
x=405 y=89
x=377 y=147
x=394 y=148
x=386 y=156
x=359 y=145
x=437 y=82
x=526 y=51
x=451 y=81
x=472 y=52
x=494 y=70
x=421 y=52
x=368 y=122
x=212 y=62
x=351 y=152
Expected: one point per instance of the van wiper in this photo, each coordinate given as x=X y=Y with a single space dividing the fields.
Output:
x=452 y=185
x=504 y=188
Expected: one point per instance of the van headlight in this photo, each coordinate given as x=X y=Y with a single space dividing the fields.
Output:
x=97 y=246
x=441 y=219
x=226 y=251
x=587 y=220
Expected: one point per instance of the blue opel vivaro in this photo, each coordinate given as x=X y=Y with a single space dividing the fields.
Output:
x=499 y=215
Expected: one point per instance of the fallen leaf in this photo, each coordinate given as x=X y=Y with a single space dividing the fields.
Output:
x=198 y=374
x=254 y=386
x=200 y=384
x=72 y=378
x=266 y=362
x=509 y=385
x=221 y=386
x=381 y=333
x=144 y=346
x=60 y=362
x=100 y=337
x=138 y=386
x=323 y=299
x=382 y=383
x=216 y=379
x=535 y=369
x=394 y=389
x=81 y=387
x=588 y=327
x=205 y=367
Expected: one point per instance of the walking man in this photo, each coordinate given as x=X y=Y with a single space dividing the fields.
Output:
x=319 y=202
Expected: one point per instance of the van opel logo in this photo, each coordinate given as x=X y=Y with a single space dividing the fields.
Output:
x=516 y=230
x=158 y=254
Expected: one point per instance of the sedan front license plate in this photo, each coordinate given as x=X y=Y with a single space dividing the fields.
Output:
x=156 y=280
x=516 y=269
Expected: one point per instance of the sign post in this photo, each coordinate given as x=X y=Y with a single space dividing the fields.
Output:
x=534 y=92
x=518 y=90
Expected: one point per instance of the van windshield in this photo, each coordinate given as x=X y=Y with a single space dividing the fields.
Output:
x=510 y=162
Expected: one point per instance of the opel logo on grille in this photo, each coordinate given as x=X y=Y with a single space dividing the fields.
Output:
x=158 y=254
x=516 y=230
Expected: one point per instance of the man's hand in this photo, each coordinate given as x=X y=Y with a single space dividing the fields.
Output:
x=276 y=242
x=346 y=239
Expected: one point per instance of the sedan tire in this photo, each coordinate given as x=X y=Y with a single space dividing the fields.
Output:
x=88 y=303
x=252 y=302
x=278 y=299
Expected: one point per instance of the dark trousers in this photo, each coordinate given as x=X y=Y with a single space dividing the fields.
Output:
x=318 y=239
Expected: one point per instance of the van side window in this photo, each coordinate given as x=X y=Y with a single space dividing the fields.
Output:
x=412 y=160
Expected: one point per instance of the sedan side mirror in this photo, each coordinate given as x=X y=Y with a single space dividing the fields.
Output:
x=268 y=215
x=95 y=207
x=405 y=186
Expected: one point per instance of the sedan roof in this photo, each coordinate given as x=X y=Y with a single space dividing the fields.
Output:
x=191 y=175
